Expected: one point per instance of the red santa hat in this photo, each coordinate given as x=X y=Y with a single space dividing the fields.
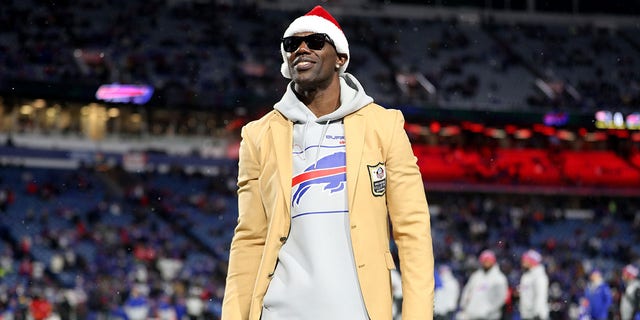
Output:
x=317 y=20
x=532 y=257
x=630 y=270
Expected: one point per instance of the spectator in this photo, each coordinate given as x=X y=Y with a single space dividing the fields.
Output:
x=630 y=299
x=534 y=288
x=40 y=308
x=169 y=267
x=195 y=305
x=446 y=297
x=485 y=293
x=166 y=309
x=136 y=307
x=598 y=297
x=396 y=288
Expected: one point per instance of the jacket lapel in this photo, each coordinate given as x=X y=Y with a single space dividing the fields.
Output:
x=354 y=127
x=281 y=140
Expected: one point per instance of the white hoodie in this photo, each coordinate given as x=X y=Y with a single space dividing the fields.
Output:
x=316 y=277
x=484 y=294
x=446 y=297
x=534 y=293
x=626 y=301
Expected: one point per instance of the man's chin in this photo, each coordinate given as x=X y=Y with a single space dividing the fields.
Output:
x=303 y=79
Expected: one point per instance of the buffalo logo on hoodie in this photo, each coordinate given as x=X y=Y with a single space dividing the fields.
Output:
x=330 y=172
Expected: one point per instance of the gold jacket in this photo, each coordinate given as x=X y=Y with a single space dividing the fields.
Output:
x=374 y=136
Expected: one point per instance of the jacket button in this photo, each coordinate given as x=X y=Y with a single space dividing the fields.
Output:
x=283 y=239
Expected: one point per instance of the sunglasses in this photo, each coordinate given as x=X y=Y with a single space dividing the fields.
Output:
x=314 y=41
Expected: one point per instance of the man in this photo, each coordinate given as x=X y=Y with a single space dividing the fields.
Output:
x=630 y=300
x=137 y=306
x=446 y=296
x=485 y=292
x=598 y=297
x=319 y=178
x=534 y=288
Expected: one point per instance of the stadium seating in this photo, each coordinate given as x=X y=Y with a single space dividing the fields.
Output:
x=209 y=59
x=516 y=166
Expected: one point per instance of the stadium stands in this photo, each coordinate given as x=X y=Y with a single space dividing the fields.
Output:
x=209 y=59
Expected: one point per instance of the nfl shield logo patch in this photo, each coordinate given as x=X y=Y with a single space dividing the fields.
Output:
x=378 y=176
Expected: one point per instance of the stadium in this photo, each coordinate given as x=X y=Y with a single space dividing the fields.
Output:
x=120 y=126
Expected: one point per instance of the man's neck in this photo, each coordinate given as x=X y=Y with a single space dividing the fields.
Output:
x=321 y=101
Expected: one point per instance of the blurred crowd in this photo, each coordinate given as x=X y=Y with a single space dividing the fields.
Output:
x=569 y=247
x=130 y=255
x=87 y=244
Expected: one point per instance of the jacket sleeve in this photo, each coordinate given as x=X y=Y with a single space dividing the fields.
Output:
x=409 y=215
x=249 y=237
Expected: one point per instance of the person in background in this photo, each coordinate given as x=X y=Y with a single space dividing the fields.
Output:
x=396 y=292
x=485 y=292
x=630 y=299
x=195 y=304
x=320 y=178
x=136 y=307
x=534 y=288
x=446 y=296
x=166 y=309
x=40 y=308
x=597 y=296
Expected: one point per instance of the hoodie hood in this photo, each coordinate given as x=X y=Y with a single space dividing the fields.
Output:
x=352 y=98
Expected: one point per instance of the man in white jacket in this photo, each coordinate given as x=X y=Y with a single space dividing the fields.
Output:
x=533 y=288
x=485 y=292
x=630 y=299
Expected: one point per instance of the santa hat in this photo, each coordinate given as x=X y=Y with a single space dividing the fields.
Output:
x=487 y=256
x=532 y=257
x=630 y=271
x=317 y=20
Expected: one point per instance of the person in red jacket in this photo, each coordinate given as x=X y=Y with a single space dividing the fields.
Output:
x=40 y=308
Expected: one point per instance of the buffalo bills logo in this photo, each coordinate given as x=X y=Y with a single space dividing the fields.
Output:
x=329 y=171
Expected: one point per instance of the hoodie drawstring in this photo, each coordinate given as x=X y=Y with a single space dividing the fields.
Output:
x=324 y=132
x=303 y=154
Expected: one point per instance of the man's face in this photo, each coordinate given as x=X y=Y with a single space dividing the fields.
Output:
x=313 y=68
x=486 y=264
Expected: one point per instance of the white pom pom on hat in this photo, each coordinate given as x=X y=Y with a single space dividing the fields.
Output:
x=317 y=20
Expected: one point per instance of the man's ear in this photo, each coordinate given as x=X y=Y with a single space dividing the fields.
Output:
x=342 y=59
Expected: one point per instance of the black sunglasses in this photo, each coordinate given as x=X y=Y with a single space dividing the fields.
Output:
x=314 y=41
